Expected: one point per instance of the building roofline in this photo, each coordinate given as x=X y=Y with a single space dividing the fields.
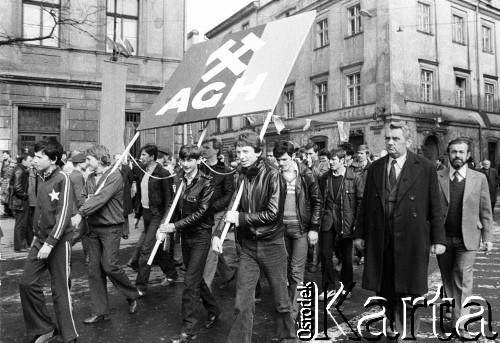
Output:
x=244 y=12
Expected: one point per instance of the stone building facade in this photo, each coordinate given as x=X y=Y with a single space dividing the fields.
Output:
x=430 y=63
x=52 y=87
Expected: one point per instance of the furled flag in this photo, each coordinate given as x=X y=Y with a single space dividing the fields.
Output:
x=280 y=126
x=344 y=130
x=308 y=124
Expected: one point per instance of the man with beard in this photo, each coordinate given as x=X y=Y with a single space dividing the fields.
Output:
x=467 y=211
x=400 y=224
x=260 y=232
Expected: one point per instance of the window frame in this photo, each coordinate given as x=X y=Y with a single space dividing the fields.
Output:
x=122 y=17
x=424 y=20
x=289 y=102
x=461 y=101
x=354 y=17
x=488 y=39
x=425 y=85
x=458 y=29
x=320 y=96
x=322 y=35
x=42 y=6
x=354 y=87
x=489 y=105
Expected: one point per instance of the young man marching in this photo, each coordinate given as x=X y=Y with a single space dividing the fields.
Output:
x=260 y=231
x=50 y=250
x=195 y=219
x=302 y=215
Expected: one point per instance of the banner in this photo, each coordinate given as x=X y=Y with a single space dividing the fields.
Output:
x=237 y=74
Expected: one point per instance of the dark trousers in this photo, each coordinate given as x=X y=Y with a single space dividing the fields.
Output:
x=36 y=316
x=327 y=240
x=271 y=257
x=22 y=233
x=195 y=245
x=104 y=246
x=388 y=291
x=151 y=225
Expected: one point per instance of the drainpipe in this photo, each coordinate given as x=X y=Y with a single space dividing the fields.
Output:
x=478 y=80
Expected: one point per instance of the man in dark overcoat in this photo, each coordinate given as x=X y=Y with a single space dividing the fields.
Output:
x=400 y=224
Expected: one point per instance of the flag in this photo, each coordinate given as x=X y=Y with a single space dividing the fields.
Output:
x=280 y=126
x=251 y=119
x=308 y=124
x=236 y=74
x=129 y=46
x=343 y=130
x=122 y=48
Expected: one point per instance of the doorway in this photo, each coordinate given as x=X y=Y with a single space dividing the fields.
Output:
x=431 y=148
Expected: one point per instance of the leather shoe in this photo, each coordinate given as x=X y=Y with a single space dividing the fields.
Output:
x=132 y=307
x=44 y=337
x=183 y=337
x=212 y=320
x=96 y=319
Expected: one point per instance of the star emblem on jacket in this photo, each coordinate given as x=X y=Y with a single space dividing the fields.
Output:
x=54 y=195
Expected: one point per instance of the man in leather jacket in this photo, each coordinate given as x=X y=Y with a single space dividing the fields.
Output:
x=302 y=215
x=260 y=231
x=342 y=194
x=19 y=202
x=194 y=219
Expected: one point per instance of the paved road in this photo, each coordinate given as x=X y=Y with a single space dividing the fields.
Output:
x=159 y=318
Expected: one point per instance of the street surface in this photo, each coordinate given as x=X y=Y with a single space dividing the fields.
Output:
x=158 y=317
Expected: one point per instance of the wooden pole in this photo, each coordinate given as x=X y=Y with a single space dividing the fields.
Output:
x=174 y=204
x=237 y=200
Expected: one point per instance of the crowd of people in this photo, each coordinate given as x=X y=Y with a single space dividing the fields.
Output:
x=389 y=211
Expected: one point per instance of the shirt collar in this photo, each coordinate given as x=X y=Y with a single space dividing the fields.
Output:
x=400 y=161
x=462 y=172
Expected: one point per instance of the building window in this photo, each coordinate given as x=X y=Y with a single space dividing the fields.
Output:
x=426 y=85
x=321 y=93
x=289 y=103
x=134 y=118
x=353 y=89
x=489 y=96
x=229 y=123
x=460 y=91
x=41 y=19
x=126 y=19
x=486 y=39
x=424 y=17
x=458 y=29
x=245 y=26
x=354 y=20
x=322 y=29
x=217 y=125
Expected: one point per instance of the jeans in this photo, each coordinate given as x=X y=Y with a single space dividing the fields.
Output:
x=151 y=224
x=104 y=246
x=271 y=257
x=296 y=248
x=456 y=266
x=217 y=261
x=195 y=246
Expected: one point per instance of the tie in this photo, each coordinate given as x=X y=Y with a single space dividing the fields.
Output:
x=392 y=174
x=455 y=179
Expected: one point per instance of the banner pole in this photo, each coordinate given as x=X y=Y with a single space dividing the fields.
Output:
x=122 y=157
x=174 y=204
x=237 y=200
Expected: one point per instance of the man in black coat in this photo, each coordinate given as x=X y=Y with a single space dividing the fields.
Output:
x=19 y=202
x=400 y=224
x=492 y=177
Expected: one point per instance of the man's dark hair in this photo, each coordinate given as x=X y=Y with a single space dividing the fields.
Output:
x=216 y=143
x=347 y=147
x=22 y=157
x=458 y=141
x=324 y=152
x=440 y=159
x=363 y=147
x=6 y=152
x=52 y=148
x=283 y=147
x=189 y=151
x=151 y=150
x=249 y=138
x=313 y=146
x=339 y=152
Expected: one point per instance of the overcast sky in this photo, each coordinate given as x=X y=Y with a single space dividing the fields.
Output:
x=204 y=15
